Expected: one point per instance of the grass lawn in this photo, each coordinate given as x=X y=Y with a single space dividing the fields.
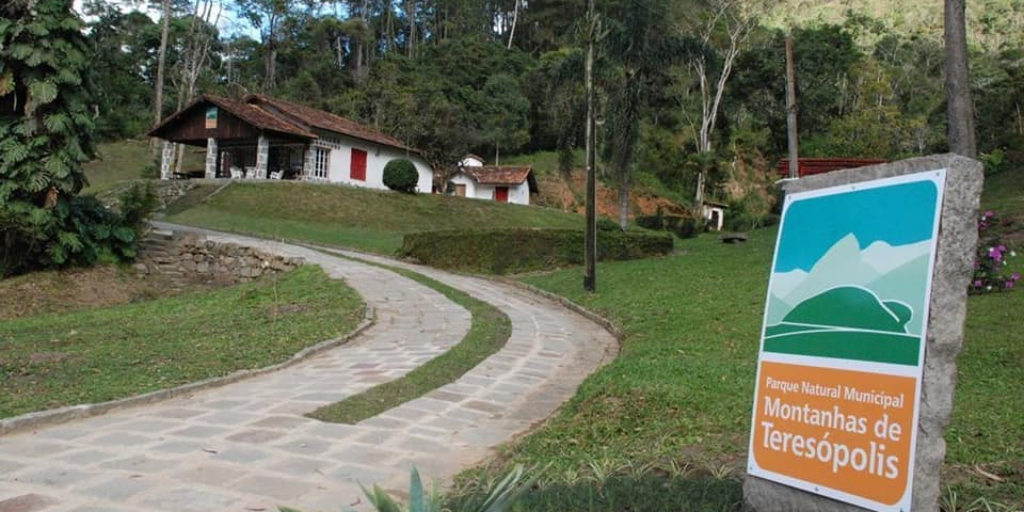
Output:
x=370 y=220
x=54 y=360
x=116 y=162
x=125 y=160
x=488 y=333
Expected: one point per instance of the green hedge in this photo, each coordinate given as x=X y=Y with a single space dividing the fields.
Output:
x=501 y=251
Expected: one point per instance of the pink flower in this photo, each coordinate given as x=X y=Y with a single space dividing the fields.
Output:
x=977 y=283
x=1015 y=276
x=989 y=214
x=996 y=254
x=1009 y=285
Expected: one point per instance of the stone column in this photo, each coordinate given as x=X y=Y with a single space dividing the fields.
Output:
x=307 y=162
x=211 y=158
x=166 y=160
x=262 y=156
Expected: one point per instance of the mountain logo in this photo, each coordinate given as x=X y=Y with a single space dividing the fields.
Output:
x=851 y=273
x=848 y=322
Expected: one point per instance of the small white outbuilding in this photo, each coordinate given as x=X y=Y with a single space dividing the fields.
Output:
x=500 y=183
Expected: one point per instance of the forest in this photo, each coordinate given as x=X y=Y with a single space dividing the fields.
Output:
x=685 y=87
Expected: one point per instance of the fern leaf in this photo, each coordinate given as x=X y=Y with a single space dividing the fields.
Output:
x=70 y=240
x=56 y=167
x=43 y=92
x=6 y=82
x=124 y=234
x=58 y=122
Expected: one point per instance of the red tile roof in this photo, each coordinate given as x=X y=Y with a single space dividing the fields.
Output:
x=498 y=175
x=312 y=118
x=502 y=175
x=266 y=113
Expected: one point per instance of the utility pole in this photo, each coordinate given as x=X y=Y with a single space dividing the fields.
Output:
x=590 y=250
x=960 y=106
x=791 y=127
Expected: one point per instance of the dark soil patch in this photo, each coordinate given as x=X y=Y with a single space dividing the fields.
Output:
x=65 y=291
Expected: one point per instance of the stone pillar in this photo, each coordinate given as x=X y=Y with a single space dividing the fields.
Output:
x=262 y=156
x=166 y=160
x=307 y=162
x=211 y=158
x=954 y=262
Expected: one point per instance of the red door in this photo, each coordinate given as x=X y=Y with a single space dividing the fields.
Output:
x=501 y=194
x=358 y=164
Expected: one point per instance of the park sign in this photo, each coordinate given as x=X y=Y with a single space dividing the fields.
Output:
x=841 y=365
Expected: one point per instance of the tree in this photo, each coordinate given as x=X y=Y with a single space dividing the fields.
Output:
x=505 y=122
x=124 y=43
x=158 y=86
x=724 y=29
x=640 y=42
x=960 y=107
x=266 y=16
x=45 y=131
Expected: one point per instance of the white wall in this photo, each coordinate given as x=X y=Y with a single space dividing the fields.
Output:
x=377 y=156
x=460 y=178
x=517 y=194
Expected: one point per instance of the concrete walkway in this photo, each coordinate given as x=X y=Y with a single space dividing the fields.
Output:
x=247 y=446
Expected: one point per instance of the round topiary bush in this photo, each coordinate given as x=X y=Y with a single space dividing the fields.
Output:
x=401 y=175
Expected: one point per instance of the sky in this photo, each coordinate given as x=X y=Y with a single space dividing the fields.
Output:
x=898 y=215
x=228 y=23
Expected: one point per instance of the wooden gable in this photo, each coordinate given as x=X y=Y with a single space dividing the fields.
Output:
x=194 y=125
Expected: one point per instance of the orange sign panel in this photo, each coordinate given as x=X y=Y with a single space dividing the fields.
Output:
x=848 y=430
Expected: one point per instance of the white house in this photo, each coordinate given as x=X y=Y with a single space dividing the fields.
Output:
x=263 y=137
x=714 y=214
x=504 y=184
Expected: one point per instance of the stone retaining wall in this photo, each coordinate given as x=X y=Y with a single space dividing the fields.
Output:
x=193 y=258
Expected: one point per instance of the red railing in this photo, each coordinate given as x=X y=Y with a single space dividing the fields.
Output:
x=812 y=166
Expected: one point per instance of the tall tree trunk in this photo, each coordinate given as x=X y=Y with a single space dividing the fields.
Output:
x=960 y=107
x=161 y=60
x=791 y=112
x=270 y=68
x=389 y=28
x=410 y=43
x=515 y=18
x=624 y=200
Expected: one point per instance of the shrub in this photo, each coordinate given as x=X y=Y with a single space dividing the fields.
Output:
x=137 y=204
x=991 y=259
x=501 y=251
x=401 y=176
x=496 y=496
x=748 y=213
x=995 y=161
x=606 y=224
x=683 y=226
x=656 y=221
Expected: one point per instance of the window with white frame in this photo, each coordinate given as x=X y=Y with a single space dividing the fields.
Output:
x=321 y=157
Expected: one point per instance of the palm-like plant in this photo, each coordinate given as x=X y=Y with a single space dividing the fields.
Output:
x=500 y=496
